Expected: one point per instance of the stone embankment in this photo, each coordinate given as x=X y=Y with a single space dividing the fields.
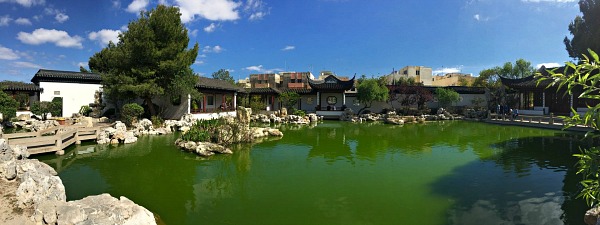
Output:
x=235 y=130
x=392 y=118
x=282 y=117
x=34 y=194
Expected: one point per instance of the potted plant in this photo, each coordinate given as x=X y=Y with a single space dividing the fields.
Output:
x=61 y=120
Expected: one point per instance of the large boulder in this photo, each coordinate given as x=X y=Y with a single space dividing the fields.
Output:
x=24 y=117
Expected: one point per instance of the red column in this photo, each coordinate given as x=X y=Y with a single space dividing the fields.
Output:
x=204 y=103
x=272 y=102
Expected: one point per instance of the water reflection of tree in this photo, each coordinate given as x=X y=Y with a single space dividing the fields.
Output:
x=530 y=162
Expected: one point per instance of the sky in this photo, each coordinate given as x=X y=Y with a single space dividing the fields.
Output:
x=370 y=37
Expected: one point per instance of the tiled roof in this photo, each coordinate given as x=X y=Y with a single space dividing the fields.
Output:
x=459 y=89
x=216 y=84
x=268 y=90
x=19 y=86
x=297 y=90
x=66 y=77
x=331 y=83
x=529 y=82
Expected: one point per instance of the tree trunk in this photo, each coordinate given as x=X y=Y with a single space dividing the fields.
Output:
x=150 y=106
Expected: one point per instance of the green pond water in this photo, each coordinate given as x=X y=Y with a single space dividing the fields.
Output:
x=342 y=173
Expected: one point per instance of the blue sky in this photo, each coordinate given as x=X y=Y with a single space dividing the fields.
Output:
x=260 y=36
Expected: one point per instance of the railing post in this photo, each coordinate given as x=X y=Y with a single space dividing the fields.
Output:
x=551 y=122
x=489 y=115
x=77 y=141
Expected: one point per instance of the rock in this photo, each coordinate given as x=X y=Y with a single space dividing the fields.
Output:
x=69 y=214
x=393 y=120
x=312 y=117
x=129 y=137
x=591 y=216
x=208 y=149
x=347 y=115
x=87 y=121
x=120 y=126
x=275 y=132
x=37 y=187
x=243 y=114
x=10 y=170
x=114 y=141
x=24 y=117
x=103 y=209
x=284 y=112
x=184 y=129
x=103 y=120
x=440 y=111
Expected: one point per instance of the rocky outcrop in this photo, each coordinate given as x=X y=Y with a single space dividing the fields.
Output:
x=203 y=148
x=145 y=127
x=41 y=190
x=36 y=125
x=116 y=134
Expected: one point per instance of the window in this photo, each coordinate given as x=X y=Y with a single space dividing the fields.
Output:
x=56 y=92
x=331 y=100
x=210 y=100
x=418 y=72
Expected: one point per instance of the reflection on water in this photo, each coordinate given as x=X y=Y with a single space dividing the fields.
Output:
x=343 y=173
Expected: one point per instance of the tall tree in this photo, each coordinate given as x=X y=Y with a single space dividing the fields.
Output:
x=151 y=59
x=585 y=30
x=223 y=74
x=491 y=77
x=370 y=90
x=446 y=97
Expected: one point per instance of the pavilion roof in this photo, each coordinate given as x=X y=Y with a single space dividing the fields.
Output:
x=268 y=90
x=331 y=83
x=19 y=86
x=216 y=84
x=44 y=75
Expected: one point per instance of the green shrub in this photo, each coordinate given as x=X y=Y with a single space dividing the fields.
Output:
x=298 y=112
x=85 y=110
x=55 y=106
x=257 y=104
x=202 y=131
x=8 y=106
x=131 y=112
x=157 y=121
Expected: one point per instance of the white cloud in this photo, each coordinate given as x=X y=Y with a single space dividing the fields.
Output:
x=478 y=17
x=5 y=20
x=255 y=68
x=261 y=69
x=446 y=70
x=8 y=54
x=83 y=64
x=137 y=5
x=26 y=65
x=199 y=62
x=58 y=37
x=23 y=21
x=214 y=10
x=215 y=49
x=210 y=28
x=25 y=3
x=548 y=65
x=288 y=48
x=202 y=56
x=104 y=36
x=61 y=17
x=256 y=9
x=193 y=33
x=116 y=4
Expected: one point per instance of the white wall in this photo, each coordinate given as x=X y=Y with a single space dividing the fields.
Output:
x=74 y=95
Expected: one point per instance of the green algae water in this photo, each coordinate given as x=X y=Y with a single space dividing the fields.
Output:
x=342 y=173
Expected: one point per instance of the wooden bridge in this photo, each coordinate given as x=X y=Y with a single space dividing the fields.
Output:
x=546 y=121
x=54 y=139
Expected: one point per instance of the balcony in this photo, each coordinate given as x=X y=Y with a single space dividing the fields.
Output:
x=295 y=85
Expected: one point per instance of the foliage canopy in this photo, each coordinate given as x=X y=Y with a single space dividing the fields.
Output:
x=370 y=90
x=150 y=60
x=584 y=76
x=585 y=30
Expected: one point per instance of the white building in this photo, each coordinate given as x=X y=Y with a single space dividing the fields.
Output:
x=421 y=74
x=75 y=88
